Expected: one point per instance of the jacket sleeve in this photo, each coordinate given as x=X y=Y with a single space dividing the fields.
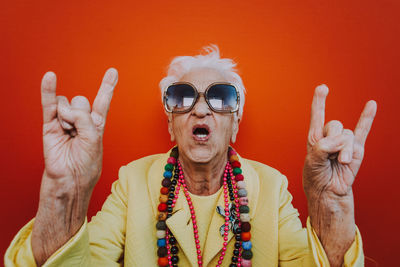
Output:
x=98 y=243
x=300 y=246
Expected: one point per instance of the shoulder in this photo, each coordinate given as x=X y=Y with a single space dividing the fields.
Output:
x=145 y=162
x=268 y=179
x=140 y=170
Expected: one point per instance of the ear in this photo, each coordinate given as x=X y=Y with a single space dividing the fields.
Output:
x=235 y=129
x=170 y=129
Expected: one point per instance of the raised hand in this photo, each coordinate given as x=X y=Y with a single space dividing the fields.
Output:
x=72 y=133
x=334 y=154
x=72 y=145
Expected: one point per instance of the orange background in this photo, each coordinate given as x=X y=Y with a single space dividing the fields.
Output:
x=284 y=49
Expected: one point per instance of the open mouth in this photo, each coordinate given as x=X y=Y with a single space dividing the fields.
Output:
x=201 y=132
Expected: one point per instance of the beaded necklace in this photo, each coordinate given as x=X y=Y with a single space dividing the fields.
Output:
x=235 y=191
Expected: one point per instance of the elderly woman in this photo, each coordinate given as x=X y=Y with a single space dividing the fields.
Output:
x=200 y=204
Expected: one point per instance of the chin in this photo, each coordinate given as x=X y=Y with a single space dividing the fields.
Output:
x=202 y=154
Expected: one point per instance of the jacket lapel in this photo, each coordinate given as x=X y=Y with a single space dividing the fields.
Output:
x=214 y=240
x=181 y=226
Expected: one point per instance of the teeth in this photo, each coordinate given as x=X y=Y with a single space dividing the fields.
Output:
x=201 y=135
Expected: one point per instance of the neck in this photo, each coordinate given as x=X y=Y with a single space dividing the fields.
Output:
x=204 y=178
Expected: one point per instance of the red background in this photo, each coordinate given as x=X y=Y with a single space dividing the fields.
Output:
x=284 y=49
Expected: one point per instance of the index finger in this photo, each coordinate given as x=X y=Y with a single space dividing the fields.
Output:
x=365 y=122
x=48 y=96
x=102 y=101
x=318 y=112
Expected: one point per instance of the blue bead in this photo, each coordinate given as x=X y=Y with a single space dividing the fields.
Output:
x=161 y=242
x=168 y=174
x=246 y=245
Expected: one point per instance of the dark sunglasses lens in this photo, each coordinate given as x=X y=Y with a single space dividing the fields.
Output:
x=222 y=97
x=179 y=97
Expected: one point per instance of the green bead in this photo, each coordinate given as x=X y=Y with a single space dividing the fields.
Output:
x=237 y=171
x=247 y=254
x=244 y=209
x=169 y=167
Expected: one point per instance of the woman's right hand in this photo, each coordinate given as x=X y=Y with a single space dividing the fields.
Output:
x=73 y=151
x=73 y=132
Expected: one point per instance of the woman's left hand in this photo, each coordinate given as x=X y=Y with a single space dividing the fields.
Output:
x=334 y=154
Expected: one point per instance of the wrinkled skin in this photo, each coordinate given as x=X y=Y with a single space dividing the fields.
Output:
x=334 y=156
x=73 y=151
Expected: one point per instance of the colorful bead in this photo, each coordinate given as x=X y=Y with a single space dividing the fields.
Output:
x=233 y=158
x=174 y=152
x=246 y=245
x=167 y=174
x=161 y=216
x=164 y=190
x=162 y=207
x=245 y=236
x=231 y=152
x=161 y=225
x=169 y=167
x=245 y=217
x=241 y=184
x=247 y=254
x=166 y=182
x=242 y=193
x=243 y=201
x=174 y=250
x=160 y=234
x=246 y=263
x=171 y=160
x=162 y=262
x=239 y=177
x=237 y=171
x=161 y=242
x=244 y=209
x=163 y=198
x=236 y=164
x=246 y=227
x=162 y=252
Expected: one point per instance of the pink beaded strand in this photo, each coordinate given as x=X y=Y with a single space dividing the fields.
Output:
x=181 y=181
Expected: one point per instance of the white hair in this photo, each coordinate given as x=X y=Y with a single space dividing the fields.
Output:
x=180 y=66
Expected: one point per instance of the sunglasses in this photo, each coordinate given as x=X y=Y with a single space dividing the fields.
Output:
x=180 y=97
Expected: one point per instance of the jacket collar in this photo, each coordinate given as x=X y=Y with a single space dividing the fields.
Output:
x=180 y=222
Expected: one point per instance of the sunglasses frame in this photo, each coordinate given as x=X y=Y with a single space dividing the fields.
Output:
x=198 y=94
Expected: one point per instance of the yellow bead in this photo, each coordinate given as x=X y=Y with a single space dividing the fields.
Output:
x=161 y=216
x=234 y=158
x=163 y=198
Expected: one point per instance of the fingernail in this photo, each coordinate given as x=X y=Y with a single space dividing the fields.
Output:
x=346 y=157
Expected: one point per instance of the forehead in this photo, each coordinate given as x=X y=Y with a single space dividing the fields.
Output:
x=203 y=77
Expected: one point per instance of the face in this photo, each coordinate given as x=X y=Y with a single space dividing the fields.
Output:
x=201 y=134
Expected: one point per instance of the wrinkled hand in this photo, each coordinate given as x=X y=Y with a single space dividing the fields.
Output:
x=73 y=132
x=334 y=154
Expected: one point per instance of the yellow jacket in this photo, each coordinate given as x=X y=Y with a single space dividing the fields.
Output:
x=123 y=233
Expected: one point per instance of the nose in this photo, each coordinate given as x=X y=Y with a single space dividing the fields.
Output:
x=201 y=108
